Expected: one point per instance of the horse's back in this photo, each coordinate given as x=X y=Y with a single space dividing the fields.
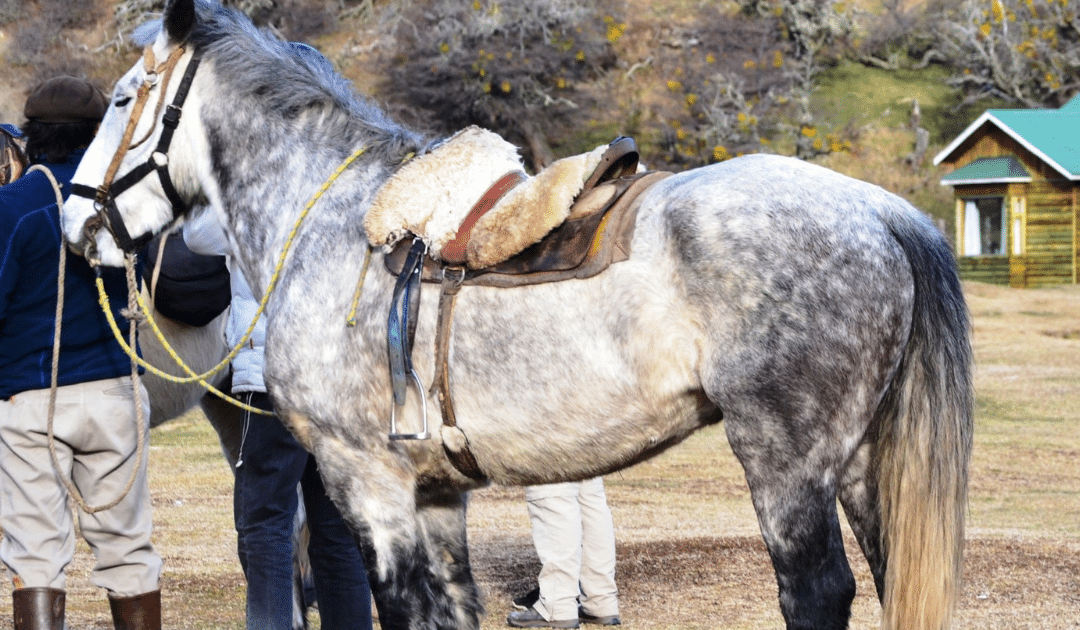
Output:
x=780 y=227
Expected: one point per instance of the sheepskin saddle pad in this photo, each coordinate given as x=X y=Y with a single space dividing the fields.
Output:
x=470 y=201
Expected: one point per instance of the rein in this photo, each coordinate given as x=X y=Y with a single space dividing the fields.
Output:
x=140 y=418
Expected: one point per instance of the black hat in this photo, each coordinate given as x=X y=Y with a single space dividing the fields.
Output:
x=65 y=100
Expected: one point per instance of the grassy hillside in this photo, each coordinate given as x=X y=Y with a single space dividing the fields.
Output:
x=875 y=106
x=867 y=107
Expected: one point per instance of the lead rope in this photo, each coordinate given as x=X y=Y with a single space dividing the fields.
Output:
x=140 y=416
x=157 y=268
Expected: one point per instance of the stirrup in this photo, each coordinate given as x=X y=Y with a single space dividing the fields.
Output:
x=422 y=435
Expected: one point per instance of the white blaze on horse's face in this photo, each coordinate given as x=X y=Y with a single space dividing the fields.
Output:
x=144 y=207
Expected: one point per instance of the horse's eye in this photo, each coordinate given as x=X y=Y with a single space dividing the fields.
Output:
x=122 y=101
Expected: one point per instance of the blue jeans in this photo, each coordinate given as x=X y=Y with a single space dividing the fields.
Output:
x=265 y=501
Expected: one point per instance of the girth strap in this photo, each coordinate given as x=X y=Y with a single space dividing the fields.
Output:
x=454 y=441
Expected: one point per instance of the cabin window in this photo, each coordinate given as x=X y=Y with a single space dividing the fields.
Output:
x=984 y=222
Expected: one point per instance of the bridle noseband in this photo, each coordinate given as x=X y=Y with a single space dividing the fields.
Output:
x=104 y=196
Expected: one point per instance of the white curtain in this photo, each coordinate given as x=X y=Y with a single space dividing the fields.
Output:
x=972 y=240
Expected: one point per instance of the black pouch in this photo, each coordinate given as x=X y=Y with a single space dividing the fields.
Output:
x=191 y=288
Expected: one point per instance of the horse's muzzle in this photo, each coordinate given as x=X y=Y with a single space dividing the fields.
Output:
x=86 y=246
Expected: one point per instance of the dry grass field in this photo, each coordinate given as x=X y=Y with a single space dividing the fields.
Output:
x=690 y=556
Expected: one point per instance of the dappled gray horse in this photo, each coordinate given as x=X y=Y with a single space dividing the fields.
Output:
x=819 y=317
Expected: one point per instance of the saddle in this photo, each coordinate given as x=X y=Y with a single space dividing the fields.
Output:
x=594 y=229
x=596 y=233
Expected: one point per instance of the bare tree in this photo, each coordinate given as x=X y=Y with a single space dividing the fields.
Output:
x=745 y=78
x=811 y=25
x=514 y=66
x=1022 y=51
x=901 y=34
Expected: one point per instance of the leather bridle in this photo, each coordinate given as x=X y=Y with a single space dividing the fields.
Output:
x=104 y=196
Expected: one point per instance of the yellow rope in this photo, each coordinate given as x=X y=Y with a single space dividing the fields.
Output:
x=351 y=319
x=103 y=300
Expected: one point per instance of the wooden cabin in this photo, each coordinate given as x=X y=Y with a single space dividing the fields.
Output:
x=1015 y=177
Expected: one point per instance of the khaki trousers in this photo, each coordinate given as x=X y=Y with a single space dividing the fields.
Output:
x=575 y=541
x=95 y=437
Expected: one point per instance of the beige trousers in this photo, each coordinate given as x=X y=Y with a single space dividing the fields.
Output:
x=575 y=541
x=95 y=437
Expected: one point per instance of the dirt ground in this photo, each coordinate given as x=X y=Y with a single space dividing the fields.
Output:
x=689 y=553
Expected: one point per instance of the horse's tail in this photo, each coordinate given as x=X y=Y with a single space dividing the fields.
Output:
x=924 y=441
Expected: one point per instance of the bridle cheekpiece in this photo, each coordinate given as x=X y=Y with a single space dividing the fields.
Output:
x=104 y=196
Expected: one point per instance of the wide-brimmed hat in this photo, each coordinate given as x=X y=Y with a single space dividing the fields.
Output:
x=65 y=100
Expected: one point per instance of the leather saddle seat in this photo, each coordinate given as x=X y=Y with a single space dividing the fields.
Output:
x=570 y=221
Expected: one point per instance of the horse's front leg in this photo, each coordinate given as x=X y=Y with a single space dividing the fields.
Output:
x=442 y=517
x=415 y=551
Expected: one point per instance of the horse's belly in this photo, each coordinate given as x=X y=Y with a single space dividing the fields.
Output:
x=564 y=375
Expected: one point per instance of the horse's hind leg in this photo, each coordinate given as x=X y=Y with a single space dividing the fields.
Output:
x=795 y=501
x=859 y=496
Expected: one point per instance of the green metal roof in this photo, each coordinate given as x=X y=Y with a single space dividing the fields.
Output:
x=989 y=170
x=1051 y=134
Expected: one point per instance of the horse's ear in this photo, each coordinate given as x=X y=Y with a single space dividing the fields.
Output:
x=179 y=19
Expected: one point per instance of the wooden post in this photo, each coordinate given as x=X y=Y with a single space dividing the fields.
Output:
x=960 y=227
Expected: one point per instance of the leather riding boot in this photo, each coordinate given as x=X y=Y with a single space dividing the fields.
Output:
x=38 y=608
x=141 y=612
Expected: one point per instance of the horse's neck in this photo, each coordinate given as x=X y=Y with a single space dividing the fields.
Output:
x=310 y=204
x=270 y=184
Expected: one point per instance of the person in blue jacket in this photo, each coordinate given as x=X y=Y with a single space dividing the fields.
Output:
x=95 y=418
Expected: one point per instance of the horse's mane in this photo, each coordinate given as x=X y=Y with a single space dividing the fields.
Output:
x=256 y=63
